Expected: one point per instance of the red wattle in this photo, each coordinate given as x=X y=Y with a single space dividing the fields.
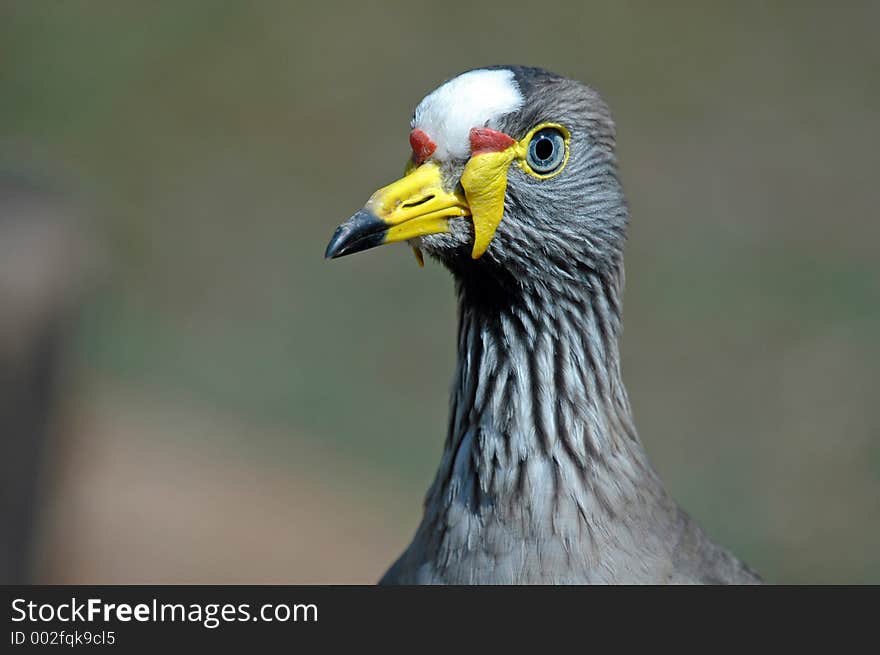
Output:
x=484 y=139
x=422 y=146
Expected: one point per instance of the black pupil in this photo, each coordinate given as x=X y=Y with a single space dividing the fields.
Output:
x=544 y=148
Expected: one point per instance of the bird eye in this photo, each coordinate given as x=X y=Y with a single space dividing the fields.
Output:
x=546 y=151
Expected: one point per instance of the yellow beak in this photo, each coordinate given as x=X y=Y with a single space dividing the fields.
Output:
x=417 y=205
x=413 y=206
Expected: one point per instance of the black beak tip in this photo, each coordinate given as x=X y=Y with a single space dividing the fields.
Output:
x=336 y=247
x=360 y=232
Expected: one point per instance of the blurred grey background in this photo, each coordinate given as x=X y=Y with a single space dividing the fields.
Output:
x=228 y=407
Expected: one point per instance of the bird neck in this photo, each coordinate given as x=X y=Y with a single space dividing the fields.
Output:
x=538 y=410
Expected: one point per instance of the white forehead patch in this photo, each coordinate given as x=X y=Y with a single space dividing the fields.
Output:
x=472 y=99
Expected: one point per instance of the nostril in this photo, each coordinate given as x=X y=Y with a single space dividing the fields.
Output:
x=416 y=203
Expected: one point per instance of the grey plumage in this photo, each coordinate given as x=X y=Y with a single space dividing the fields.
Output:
x=543 y=478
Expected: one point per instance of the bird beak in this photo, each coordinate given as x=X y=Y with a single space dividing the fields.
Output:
x=415 y=205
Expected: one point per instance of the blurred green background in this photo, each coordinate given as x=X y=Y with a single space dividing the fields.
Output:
x=237 y=409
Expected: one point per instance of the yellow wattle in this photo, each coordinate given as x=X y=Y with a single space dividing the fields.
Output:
x=485 y=183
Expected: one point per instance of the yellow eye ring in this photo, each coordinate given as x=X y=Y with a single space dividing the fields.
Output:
x=522 y=150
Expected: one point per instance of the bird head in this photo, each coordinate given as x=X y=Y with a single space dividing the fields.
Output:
x=512 y=168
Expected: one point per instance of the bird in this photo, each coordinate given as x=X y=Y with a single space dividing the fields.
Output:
x=513 y=186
